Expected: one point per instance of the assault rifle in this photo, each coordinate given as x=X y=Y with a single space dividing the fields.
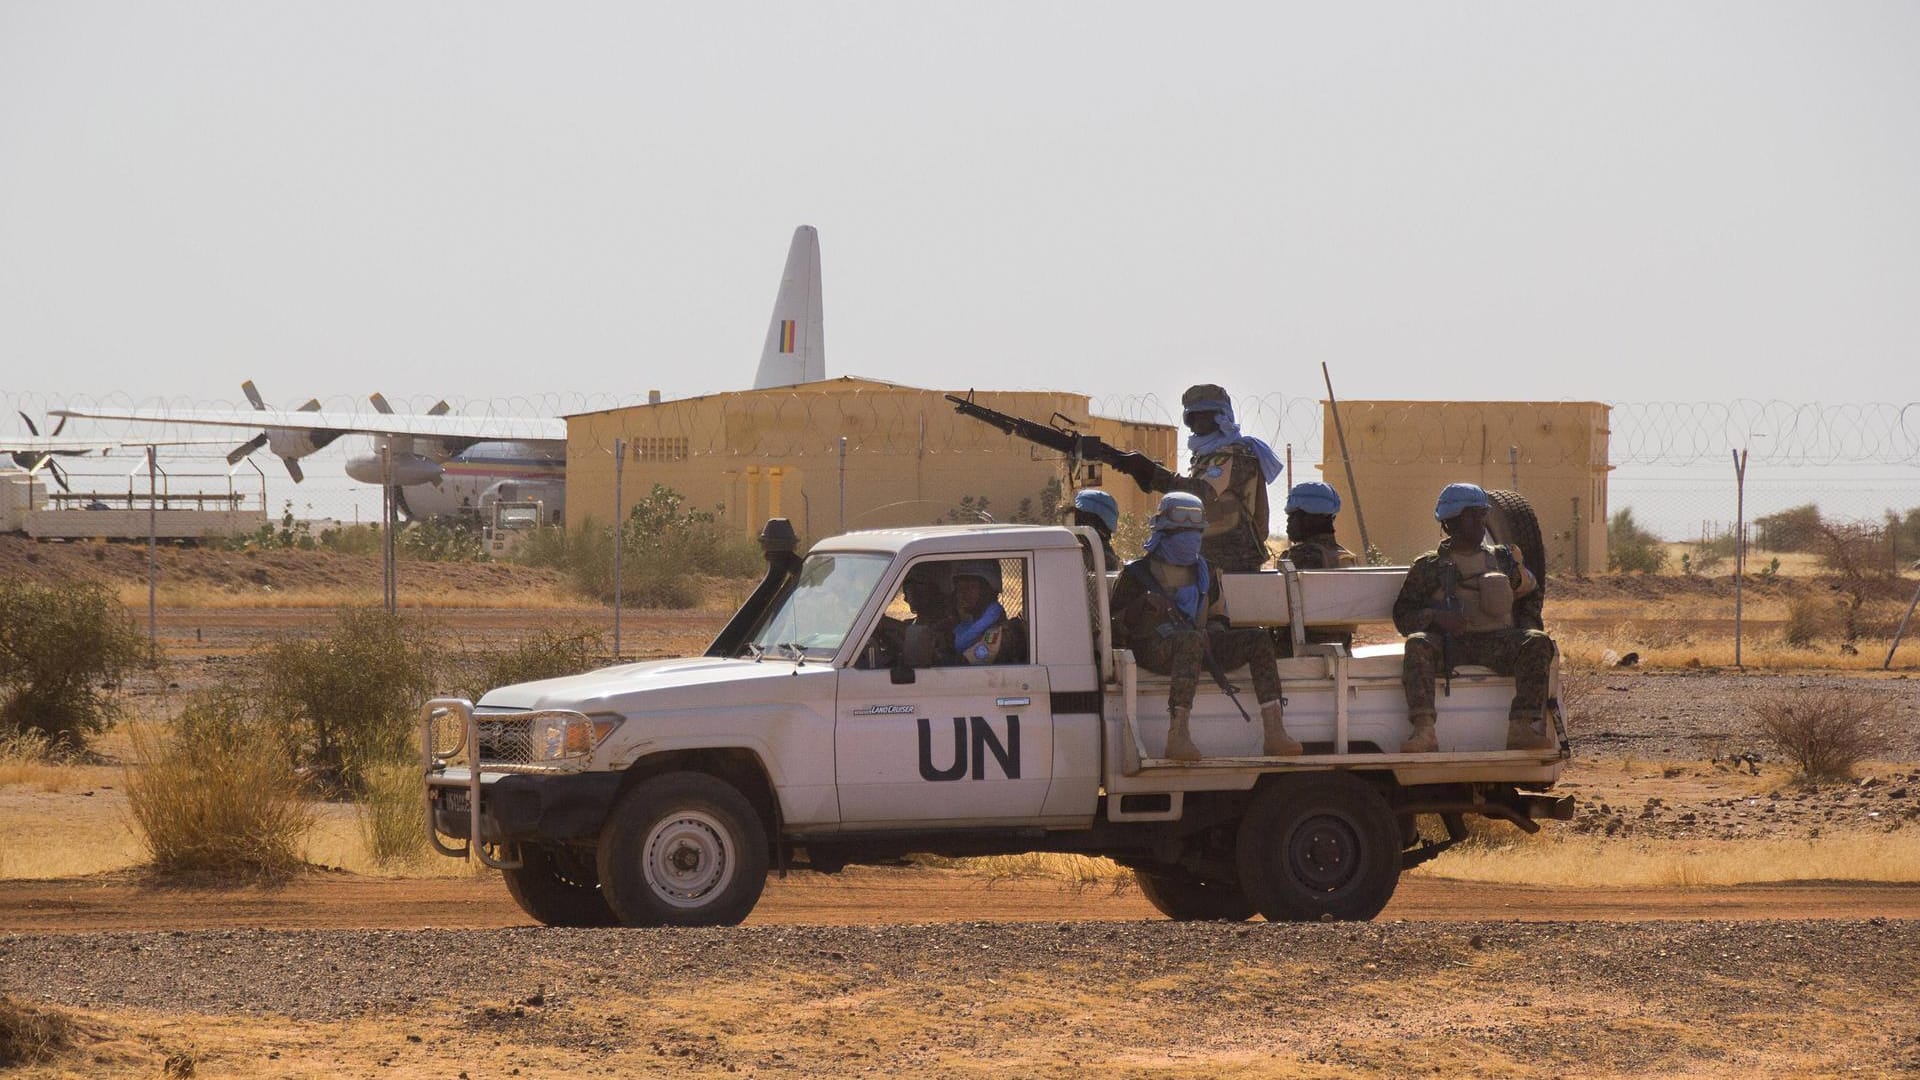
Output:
x=1060 y=435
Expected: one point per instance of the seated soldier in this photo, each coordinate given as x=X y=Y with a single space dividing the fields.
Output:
x=981 y=631
x=1164 y=609
x=1098 y=511
x=911 y=641
x=1311 y=507
x=1456 y=607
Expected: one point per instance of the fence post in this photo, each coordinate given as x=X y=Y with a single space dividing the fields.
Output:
x=619 y=532
x=843 y=483
x=153 y=567
x=1739 y=550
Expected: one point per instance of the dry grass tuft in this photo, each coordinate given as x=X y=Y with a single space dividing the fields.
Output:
x=1503 y=855
x=1825 y=733
x=392 y=816
x=32 y=1035
x=222 y=803
x=1073 y=871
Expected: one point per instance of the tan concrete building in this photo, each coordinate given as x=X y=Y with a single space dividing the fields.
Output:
x=840 y=454
x=1404 y=452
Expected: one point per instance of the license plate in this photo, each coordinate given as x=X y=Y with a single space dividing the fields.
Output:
x=453 y=799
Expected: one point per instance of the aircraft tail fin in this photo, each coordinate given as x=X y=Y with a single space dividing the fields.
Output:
x=796 y=349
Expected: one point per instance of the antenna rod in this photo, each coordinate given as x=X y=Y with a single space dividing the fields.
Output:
x=1353 y=490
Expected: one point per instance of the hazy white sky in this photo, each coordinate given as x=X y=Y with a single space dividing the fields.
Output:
x=1616 y=201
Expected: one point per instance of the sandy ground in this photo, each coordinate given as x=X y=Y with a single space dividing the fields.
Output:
x=869 y=896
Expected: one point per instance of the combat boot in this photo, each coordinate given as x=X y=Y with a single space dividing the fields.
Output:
x=1277 y=743
x=1179 y=739
x=1423 y=740
x=1523 y=735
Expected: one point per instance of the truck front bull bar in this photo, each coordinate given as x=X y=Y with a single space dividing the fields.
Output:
x=433 y=759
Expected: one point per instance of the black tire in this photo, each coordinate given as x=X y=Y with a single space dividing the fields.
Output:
x=559 y=888
x=683 y=849
x=1184 y=898
x=1513 y=522
x=1319 y=845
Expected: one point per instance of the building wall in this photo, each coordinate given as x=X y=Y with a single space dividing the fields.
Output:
x=1404 y=452
x=909 y=458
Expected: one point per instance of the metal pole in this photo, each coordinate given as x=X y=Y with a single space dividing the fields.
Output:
x=1739 y=549
x=153 y=565
x=619 y=532
x=843 y=483
x=1513 y=467
x=1902 y=631
x=389 y=513
x=1353 y=490
x=1290 y=477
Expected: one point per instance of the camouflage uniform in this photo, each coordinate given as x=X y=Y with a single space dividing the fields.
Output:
x=1163 y=643
x=1433 y=584
x=1319 y=552
x=1234 y=492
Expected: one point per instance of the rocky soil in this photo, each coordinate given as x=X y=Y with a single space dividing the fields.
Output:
x=1050 y=999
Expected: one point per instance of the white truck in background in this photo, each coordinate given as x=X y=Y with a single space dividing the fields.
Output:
x=663 y=792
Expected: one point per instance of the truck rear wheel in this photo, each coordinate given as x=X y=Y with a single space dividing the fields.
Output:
x=558 y=887
x=1185 y=898
x=683 y=849
x=1319 y=845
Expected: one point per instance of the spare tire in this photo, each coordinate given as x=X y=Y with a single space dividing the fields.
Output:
x=1512 y=522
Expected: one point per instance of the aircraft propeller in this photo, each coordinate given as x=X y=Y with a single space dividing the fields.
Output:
x=35 y=460
x=314 y=439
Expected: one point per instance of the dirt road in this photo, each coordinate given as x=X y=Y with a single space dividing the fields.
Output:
x=862 y=896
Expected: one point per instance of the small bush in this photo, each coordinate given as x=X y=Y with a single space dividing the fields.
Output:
x=391 y=815
x=60 y=648
x=546 y=654
x=32 y=1035
x=352 y=539
x=347 y=700
x=216 y=796
x=1631 y=548
x=668 y=553
x=1809 y=618
x=1826 y=732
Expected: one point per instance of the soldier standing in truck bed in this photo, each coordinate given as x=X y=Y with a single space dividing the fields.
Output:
x=1456 y=607
x=1311 y=507
x=1230 y=474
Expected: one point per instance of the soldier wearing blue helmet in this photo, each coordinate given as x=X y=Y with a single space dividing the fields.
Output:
x=1166 y=609
x=1456 y=607
x=1311 y=545
x=1100 y=512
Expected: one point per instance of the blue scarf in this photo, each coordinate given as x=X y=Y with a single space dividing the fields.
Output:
x=1181 y=547
x=1227 y=435
x=966 y=634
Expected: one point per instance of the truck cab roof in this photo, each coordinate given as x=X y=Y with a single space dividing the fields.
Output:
x=954 y=539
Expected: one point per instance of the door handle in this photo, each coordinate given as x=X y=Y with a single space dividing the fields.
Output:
x=1008 y=702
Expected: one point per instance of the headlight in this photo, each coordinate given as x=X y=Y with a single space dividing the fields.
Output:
x=556 y=736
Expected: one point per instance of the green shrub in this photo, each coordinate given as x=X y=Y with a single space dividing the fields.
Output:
x=61 y=647
x=1796 y=529
x=216 y=796
x=1631 y=548
x=667 y=553
x=440 y=540
x=546 y=654
x=352 y=539
x=347 y=700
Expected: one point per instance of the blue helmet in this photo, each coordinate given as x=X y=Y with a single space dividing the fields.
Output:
x=1099 y=504
x=1314 y=497
x=1179 y=511
x=1457 y=497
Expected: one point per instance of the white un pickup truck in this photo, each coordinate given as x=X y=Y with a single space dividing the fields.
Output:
x=661 y=793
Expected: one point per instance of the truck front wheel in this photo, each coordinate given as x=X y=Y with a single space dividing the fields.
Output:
x=1319 y=845
x=1185 y=898
x=558 y=887
x=683 y=849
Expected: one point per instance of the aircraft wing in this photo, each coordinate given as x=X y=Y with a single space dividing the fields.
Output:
x=344 y=423
x=73 y=444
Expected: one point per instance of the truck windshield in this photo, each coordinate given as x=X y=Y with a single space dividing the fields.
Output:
x=818 y=614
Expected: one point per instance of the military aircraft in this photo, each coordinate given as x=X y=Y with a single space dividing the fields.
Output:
x=443 y=464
